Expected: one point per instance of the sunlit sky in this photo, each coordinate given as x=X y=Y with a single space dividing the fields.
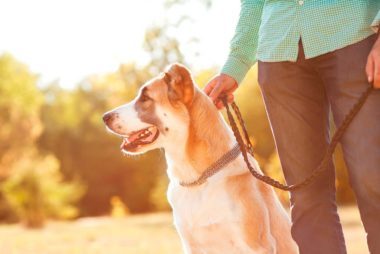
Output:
x=67 y=40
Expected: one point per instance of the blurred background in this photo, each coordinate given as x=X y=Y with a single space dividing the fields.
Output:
x=64 y=185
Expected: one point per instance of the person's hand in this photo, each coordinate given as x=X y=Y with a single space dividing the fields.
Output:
x=221 y=85
x=373 y=65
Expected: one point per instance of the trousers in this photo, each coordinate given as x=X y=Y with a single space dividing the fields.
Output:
x=299 y=97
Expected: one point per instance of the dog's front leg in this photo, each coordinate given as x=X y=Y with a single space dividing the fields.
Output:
x=188 y=244
x=185 y=237
x=191 y=249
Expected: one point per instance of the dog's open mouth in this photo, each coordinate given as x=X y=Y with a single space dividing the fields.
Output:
x=139 y=138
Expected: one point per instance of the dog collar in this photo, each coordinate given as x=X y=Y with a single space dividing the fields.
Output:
x=215 y=167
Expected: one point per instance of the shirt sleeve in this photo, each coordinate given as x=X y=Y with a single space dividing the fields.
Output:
x=376 y=22
x=243 y=46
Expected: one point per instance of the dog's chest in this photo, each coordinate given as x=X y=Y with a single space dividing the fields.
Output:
x=201 y=205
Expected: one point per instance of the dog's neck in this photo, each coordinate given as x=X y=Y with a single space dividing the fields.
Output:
x=208 y=139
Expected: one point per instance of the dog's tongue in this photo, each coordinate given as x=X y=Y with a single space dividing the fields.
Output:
x=130 y=139
x=135 y=136
x=142 y=137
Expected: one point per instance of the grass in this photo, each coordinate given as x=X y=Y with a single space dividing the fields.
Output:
x=137 y=234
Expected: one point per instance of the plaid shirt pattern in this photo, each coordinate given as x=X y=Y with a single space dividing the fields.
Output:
x=269 y=30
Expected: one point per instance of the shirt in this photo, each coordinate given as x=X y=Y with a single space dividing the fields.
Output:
x=270 y=30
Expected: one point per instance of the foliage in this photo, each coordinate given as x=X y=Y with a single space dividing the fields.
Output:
x=68 y=125
x=78 y=138
x=118 y=208
x=20 y=103
x=163 y=49
x=158 y=194
x=31 y=183
x=249 y=99
x=59 y=134
x=36 y=191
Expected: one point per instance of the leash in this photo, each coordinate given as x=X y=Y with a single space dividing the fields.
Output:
x=215 y=167
x=247 y=148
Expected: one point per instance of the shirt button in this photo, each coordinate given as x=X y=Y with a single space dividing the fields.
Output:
x=300 y=2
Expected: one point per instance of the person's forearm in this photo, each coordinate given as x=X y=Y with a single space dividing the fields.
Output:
x=376 y=22
x=243 y=45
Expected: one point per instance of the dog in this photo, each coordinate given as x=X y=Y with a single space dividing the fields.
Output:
x=231 y=212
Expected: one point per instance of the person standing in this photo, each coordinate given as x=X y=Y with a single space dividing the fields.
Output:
x=314 y=55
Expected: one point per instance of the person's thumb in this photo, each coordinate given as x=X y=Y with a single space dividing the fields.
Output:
x=370 y=66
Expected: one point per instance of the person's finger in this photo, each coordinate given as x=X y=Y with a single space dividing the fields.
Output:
x=369 y=68
x=376 y=82
x=230 y=98
x=210 y=86
x=216 y=91
x=219 y=105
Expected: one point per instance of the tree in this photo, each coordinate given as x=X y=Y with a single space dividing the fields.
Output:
x=78 y=138
x=30 y=182
x=20 y=103
x=36 y=191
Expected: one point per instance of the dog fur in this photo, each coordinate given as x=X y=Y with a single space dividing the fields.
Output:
x=230 y=213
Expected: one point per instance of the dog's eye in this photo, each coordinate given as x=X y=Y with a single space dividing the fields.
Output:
x=144 y=98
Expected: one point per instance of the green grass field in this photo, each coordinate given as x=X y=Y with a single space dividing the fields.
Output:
x=137 y=234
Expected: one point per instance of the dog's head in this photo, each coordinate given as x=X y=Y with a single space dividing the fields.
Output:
x=158 y=115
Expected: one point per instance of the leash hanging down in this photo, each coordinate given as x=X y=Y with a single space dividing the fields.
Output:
x=246 y=147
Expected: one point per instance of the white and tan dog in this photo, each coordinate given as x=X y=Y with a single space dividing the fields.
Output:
x=232 y=212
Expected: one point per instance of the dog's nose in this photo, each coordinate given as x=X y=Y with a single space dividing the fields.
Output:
x=107 y=117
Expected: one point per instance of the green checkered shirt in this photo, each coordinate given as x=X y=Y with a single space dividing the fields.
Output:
x=269 y=30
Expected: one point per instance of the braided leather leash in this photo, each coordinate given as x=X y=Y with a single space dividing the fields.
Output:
x=247 y=146
x=215 y=167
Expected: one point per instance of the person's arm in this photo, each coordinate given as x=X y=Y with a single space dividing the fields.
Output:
x=243 y=45
x=242 y=53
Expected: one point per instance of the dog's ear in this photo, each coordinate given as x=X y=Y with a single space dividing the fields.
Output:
x=180 y=84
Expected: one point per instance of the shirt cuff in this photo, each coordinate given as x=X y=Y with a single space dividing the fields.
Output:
x=235 y=68
x=376 y=22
